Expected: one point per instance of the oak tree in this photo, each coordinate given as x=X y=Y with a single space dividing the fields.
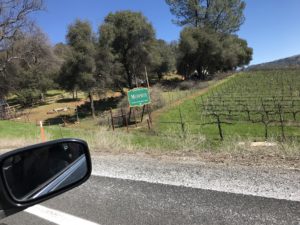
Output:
x=125 y=40
x=219 y=15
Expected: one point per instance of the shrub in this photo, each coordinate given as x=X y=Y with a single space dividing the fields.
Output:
x=186 y=85
x=157 y=100
x=28 y=96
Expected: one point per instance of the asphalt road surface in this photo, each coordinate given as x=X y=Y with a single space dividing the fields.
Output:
x=104 y=200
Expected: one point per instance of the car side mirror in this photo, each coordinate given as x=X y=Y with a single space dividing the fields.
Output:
x=36 y=173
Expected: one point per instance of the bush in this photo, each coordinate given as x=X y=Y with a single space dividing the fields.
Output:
x=186 y=85
x=28 y=97
x=201 y=85
x=157 y=100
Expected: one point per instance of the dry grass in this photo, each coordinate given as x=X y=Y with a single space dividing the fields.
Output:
x=235 y=151
x=241 y=151
x=12 y=143
x=172 y=76
x=110 y=141
x=45 y=112
x=99 y=141
x=41 y=112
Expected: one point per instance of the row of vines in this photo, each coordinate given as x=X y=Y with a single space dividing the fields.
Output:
x=269 y=98
x=255 y=104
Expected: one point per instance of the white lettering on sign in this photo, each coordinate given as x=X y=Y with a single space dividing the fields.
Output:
x=143 y=95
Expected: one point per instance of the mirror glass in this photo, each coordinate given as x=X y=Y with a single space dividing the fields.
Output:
x=37 y=172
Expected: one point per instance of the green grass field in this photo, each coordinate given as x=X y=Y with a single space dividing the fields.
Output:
x=14 y=130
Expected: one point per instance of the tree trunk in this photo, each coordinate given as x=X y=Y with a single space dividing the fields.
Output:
x=92 y=104
x=129 y=77
x=42 y=98
x=129 y=80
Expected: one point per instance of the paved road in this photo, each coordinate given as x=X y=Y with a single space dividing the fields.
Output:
x=105 y=200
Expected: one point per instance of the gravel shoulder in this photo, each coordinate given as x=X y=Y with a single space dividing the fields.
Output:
x=190 y=171
x=182 y=171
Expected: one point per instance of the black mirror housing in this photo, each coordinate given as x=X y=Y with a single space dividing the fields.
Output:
x=68 y=160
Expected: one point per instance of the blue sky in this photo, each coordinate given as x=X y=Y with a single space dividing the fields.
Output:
x=271 y=28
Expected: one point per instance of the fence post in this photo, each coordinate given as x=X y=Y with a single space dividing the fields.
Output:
x=148 y=122
x=149 y=113
x=112 y=119
x=143 y=113
x=281 y=120
x=77 y=116
x=134 y=117
x=122 y=114
x=126 y=122
x=181 y=122
x=129 y=116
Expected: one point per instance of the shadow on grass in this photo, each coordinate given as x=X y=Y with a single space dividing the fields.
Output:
x=52 y=94
x=67 y=100
x=84 y=111
x=60 y=119
x=13 y=101
x=100 y=106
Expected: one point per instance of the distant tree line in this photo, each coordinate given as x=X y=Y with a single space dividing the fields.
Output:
x=119 y=54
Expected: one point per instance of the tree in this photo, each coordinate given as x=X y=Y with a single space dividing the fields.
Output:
x=236 y=52
x=124 y=44
x=199 y=50
x=62 y=51
x=219 y=15
x=163 y=58
x=30 y=75
x=13 y=21
x=78 y=71
x=207 y=51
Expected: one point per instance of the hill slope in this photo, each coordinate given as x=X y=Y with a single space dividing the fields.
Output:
x=285 y=63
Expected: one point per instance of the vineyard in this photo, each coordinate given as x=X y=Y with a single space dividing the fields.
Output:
x=260 y=105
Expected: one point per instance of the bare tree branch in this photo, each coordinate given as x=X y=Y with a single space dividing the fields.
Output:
x=13 y=22
x=14 y=17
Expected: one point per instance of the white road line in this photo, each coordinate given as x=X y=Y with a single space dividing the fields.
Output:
x=57 y=217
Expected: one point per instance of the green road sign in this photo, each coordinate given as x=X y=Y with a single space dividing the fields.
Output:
x=138 y=97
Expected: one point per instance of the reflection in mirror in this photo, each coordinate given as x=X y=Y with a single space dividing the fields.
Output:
x=40 y=171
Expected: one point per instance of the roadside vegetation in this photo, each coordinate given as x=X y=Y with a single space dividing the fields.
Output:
x=200 y=104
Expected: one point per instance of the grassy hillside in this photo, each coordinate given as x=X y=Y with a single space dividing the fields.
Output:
x=286 y=63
